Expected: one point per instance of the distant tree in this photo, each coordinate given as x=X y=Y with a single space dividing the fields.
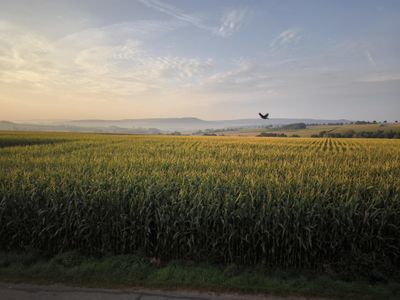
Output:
x=199 y=132
x=295 y=126
x=374 y=122
x=348 y=134
x=271 y=134
x=396 y=121
x=385 y=121
x=378 y=134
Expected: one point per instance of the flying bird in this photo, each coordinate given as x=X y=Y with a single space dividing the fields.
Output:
x=265 y=117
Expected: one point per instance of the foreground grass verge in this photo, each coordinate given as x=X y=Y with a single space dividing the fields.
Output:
x=136 y=271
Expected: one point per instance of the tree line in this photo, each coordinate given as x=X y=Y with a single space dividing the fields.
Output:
x=360 y=134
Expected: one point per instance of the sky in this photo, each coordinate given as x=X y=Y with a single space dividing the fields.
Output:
x=119 y=59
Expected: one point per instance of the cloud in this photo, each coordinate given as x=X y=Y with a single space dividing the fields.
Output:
x=289 y=37
x=245 y=77
x=96 y=60
x=113 y=34
x=291 y=79
x=380 y=77
x=23 y=55
x=356 y=51
x=176 y=13
x=231 y=21
x=370 y=58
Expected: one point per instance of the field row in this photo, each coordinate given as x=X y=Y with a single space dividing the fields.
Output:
x=279 y=202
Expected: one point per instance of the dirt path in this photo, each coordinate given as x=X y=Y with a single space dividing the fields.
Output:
x=52 y=292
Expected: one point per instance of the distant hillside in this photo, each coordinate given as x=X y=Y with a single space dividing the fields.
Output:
x=169 y=124
x=155 y=125
x=193 y=124
x=5 y=125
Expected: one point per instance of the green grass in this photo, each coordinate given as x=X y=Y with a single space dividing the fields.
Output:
x=137 y=271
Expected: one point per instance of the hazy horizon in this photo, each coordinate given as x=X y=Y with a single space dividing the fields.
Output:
x=212 y=60
x=255 y=117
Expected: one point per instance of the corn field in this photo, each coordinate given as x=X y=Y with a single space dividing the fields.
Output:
x=282 y=202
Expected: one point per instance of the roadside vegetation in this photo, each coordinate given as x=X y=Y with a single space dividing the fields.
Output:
x=127 y=271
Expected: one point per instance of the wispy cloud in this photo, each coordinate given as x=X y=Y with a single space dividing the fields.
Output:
x=231 y=21
x=95 y=60
x=246 y=76
x=380 y=77
x=176 y=13
x=370 y=58
x=289 y=37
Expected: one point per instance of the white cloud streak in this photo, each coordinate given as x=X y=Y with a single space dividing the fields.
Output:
x=289 y=37
x=175 y=12
x=380 y=77
x=230 y=22
x=370 y=58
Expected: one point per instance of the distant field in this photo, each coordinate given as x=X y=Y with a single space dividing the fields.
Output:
x=282 y=202
x=310 y=130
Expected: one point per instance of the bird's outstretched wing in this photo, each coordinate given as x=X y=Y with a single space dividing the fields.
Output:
x=264 y=116
x=261 y=115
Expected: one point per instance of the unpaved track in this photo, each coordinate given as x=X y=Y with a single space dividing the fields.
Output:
x=9 y=291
